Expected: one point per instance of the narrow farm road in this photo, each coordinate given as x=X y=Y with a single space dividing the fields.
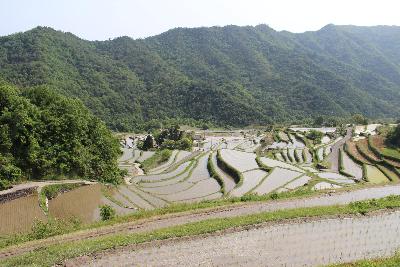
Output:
x=150 y=224
x=333 y=157
x=300 y=243
x=41 y=184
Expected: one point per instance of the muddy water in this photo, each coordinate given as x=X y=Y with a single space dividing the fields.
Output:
x=20 y=214
x=328 y=241
x=81 y=203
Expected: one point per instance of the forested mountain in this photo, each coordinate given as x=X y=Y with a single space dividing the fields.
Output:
x=225 y=75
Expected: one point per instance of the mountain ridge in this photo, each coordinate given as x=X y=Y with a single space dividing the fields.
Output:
x=227 y=75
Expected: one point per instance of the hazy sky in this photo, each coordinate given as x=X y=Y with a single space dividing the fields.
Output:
x=101 y=19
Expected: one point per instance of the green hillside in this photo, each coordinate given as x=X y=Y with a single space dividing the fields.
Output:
x=224 y=75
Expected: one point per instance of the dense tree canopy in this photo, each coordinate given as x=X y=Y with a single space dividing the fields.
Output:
x=394 y=137
x=46 y=135
x=220 y=75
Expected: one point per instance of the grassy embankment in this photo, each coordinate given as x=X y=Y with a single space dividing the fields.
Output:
x=157 y=159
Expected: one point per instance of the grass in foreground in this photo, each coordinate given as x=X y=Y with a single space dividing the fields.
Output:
x=57 y=253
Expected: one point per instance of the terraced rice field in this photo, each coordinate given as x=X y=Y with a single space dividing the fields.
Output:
x=299 y=155
x=362 y=146
x=198 y=191
x=290 y=153
x=374 y=175
x=298 y=182
x=250 y=180
x=19 y=215
x=133 y=198
x=277 y=178
x=153 y=200
x=164 y=176
x=307 y=129
x=127 y=153
x=325 y=185
x=166 y=164
x=307 y=156
x=320 y=153
x=242 y=161
x=233 y=143
x=327 y=150
x=285 y=156
x=118 y=209
x=278 y=156
x=283 y=136
x=296 y=143
x=275 y=163
x=350 y=167
x=328 y=241
x=278 y=145
x=145 y=155
x=352 y=150
x=379 y=142
x=335 y=177
x=325 y=139
x=391 y=175
x=189 y=180
x=229 y=183
x=69 y=205
x=187 y=184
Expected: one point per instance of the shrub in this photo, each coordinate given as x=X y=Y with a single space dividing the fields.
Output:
x=51 y=191
x=53 y=227
x=315 y=136
x=107 y=212
x=183 y=144
x=394 y=137
x=148 y=143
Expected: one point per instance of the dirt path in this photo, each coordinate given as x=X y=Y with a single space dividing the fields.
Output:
x=40 y=185
x=307 y=243
x=333 y=157
x=221 y=212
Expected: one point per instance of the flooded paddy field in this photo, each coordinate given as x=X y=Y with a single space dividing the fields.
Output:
x=277 y=178
x=335 y=177
x=350 y=167
x=275 y=163
x=229 y=182
x=250 y=180
x=242 y=161
x=166 y=164
x=81 y=203
x=328 y=241
x=19 y=215
x=185 y=176
x=374 y=175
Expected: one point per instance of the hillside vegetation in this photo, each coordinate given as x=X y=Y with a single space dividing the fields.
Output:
x=46 y=135
x=223 y=75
